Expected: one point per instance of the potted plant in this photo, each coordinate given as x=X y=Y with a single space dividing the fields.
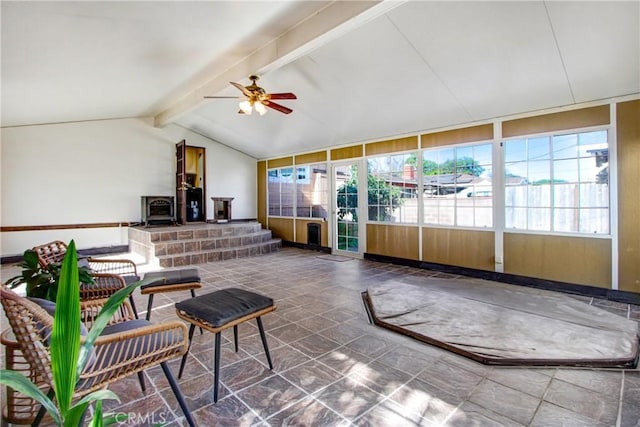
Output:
x=44 y=282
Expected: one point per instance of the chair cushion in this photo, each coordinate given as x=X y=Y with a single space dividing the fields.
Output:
x=132 y=278
x=128 y=325
x=50 y=307
x=172 y=277
x=120 y=351
x=221 y=307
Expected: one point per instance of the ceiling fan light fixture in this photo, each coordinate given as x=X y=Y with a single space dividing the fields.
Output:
x=246 y=107
x=260 y=108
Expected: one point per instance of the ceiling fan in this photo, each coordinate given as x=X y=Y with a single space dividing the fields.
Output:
x=258 y=98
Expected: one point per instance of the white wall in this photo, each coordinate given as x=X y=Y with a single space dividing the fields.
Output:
x=93 y=172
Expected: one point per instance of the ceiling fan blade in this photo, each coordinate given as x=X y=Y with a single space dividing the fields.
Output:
x=286 y=95
x=277 y=107
x=244 y=90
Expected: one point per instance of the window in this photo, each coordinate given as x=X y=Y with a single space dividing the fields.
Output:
x=311 y=191
x=280 y=191
x=457 y=186
x=392 y=183
x=558 y=183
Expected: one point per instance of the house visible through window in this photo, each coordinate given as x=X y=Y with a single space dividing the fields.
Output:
x=457 y=186
x=558 y=183
x=280 y=191
x=312 y=191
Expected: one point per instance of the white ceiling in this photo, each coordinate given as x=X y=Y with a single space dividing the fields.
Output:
x=361 y=70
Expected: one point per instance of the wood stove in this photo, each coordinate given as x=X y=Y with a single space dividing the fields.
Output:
x=157 y=210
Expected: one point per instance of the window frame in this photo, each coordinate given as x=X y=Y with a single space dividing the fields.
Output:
x=489 y=142
x=418 y=175
x=550 y=135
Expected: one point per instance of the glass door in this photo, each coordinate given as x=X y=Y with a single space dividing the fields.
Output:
x=346 y=230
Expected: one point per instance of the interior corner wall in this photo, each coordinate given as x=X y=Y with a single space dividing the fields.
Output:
x=628 y=153
x=95 y=172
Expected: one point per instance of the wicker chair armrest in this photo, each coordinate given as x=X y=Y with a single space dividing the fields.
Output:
x=90 y=309
x=124 y=353
x=123 y=267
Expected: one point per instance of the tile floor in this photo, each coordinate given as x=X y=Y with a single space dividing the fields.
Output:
x=332 y=368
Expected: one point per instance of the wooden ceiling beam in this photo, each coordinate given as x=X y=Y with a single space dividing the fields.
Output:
x=334 y=20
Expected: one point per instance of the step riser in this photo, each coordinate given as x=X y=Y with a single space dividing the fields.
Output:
x=220 y=255
x=201 y=243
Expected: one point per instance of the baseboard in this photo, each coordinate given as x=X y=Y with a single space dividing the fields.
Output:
x=318 y=248
x=512 y=279
x=108 y=250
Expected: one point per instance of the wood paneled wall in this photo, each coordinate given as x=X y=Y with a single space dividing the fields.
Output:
x=462 y=248
x=301 y=231
x=280 y=163
x=393 y=240
x=578 y=260
x=282 y=228
x=262 y=193
x=346 y=152
x=585 y=117
x=628 y=125
x=317 y=157
x=458 y=136
x=391 y=146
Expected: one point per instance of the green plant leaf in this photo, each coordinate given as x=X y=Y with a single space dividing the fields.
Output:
x=21 y=384
x=65 y=338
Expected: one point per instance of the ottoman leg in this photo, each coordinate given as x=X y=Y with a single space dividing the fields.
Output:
x=235 y=336
x=264 y=341
x=184 y=356
x=216 y=369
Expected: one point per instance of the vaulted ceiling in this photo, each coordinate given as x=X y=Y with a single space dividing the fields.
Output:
x=361 y=70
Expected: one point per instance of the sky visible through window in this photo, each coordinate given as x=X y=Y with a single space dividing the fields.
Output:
x=573 y=156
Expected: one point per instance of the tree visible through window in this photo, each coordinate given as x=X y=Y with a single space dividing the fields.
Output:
x=457 y=186
x=391 y=189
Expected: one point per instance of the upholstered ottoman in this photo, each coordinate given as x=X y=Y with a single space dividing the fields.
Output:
x=220 y=310
x=170 y=281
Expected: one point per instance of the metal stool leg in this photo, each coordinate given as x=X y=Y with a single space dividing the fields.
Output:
x=216 y=368
x=184 y=356
x=133 y=305
x=264 y=341
x=149 y=305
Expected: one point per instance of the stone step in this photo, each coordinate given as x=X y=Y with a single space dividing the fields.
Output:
x=211 y=231
x=176 y=247
x=218 y=254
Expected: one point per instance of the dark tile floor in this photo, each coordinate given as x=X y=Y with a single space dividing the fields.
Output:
x=332 y=368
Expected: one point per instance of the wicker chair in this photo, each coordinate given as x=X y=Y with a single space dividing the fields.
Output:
x=53 y=253
x=127 y=346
